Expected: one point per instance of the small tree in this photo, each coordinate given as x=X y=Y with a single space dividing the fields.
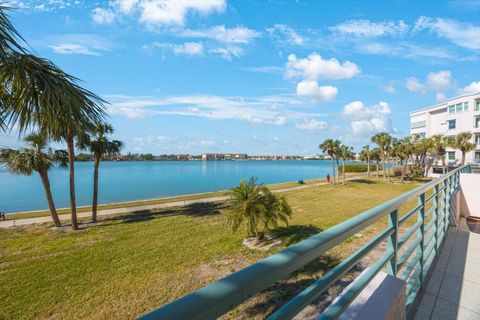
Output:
x=345 y=153
x=256 y=207
x=36 y=159
x=366 y=155
x=98 y=144
x=384 y=141
x=440 y=143
x=403 y=149
x=328 y=146
x=375 y=156
x=462 y=143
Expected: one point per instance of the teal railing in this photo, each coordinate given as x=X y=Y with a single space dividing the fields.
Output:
x=423 y=238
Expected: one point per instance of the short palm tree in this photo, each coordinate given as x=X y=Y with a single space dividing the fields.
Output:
x=375 y=156
x=439 y=144
x=100 y=146
x=366 y=155
x=345 y=153
x=328 y=146
x=256 y=207
x=383 y=140
x=36 y=159
x=462 y=142
x=404 y=149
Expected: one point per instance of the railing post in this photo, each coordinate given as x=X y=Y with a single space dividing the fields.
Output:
x=437 y=215
x=421 y=234
x=392 y=242
x=447 y=202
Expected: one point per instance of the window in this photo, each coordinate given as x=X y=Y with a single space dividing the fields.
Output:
x=465 y=106
x=451 y=109
x=476 y=124
x=458 y=107
x=451 y=155
x=477 y=105
x=477 y=139
x=452 y=124
x=418 y=124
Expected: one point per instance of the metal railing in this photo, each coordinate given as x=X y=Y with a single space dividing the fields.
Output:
x=424 y=238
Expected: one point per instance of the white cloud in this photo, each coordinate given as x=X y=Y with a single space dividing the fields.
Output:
x=237 y=35
x=310 y=88
x=103 y=16
x=285 y=35
x=314 y=67
x=441 y=80
x=264 y=69
x=406 y=50
x=462 y=34
x=440 y=96
x=414 y=85
x=389 y=88
x=158 y=12
x=78 y=44
x=228 y=52
x=187 y=48
x=312 y=124
x=367 y=120
x=473 y=87
x=366 y=28
x=257 y=110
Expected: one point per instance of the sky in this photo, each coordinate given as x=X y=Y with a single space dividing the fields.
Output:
x=257 y=77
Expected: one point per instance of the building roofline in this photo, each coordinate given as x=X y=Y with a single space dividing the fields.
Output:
x=444 y=103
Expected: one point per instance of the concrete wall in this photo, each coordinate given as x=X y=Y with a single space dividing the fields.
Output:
x=470 y=194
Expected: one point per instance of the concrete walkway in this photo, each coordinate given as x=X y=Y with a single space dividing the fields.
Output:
x=106 y=212
x=453 y=291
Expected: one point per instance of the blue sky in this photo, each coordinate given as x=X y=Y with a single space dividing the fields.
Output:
x=262 y=77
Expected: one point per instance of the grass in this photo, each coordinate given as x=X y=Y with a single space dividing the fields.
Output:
x=130 y=264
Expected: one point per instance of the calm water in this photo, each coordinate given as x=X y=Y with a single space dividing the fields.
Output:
x=127 y=181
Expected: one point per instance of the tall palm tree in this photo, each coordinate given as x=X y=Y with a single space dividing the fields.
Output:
x=345 y=153
x=403 y=149
x=366 y=155
x=36 y=159
x=462 y=142
x=256 y=207
x=440 y=143
x=375 y=156
x=328 y=146
x=100 y=146
x=383 y=140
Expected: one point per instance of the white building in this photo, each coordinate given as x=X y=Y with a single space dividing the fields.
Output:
x=456 y=115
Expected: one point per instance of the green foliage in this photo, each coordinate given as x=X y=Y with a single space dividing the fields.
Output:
x=358 y=167
x=256 y=207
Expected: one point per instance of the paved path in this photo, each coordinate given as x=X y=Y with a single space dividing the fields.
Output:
x=107 y=212
x=453 y=291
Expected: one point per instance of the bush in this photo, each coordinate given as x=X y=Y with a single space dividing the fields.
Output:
x=358 y=167
x=397 y=171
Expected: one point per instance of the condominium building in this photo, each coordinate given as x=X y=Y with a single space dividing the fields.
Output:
x=456 y=115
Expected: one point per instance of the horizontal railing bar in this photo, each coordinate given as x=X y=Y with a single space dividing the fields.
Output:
x=409 y=214
x=429 y=261
x=411 y=265
x=413 y=279
x=429 y=224
x=334 y=310
x=404 y=238
x=429 y=212
x=408 y=252
x=299 y=302
x=428 y=239
x=430 y=197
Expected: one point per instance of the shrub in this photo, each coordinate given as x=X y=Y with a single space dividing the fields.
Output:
x=358 y=167
x=397 y=171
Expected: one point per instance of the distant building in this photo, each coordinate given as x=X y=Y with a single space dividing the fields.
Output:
x=212 y=156
x=456 y=115
x=184 y=157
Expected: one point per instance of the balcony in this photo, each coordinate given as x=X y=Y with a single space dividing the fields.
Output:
x=425 y=253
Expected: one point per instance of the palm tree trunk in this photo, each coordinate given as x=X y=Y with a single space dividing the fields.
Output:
x=444 y=165
x=71 y=160
x=333 y=171
x=48 y=193
x=343 y=171
x=378 y=171
x=388 y=172
x=368 y=167
x=403 y=171
x=463 y=158
x=95 y=189
x=338 y=171
x=384 y=168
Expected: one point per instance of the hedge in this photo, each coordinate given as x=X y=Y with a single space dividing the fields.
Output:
x=358 y=167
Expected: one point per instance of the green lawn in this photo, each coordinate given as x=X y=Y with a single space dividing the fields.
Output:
x=128 y=265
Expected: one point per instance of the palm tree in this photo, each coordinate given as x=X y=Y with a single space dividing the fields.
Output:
x=100 y=146
x=328 y=146
x=383 y=140
x=366 y=154
x=35 y=93
x=403 y=149
x=257 y=207
x=440 y=143
x=375 y=156
x=36 y=159
x=462 y=143
x=345 y=153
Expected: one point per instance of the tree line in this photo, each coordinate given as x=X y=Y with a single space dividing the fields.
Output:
x=390 y=152
x=38 y=97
